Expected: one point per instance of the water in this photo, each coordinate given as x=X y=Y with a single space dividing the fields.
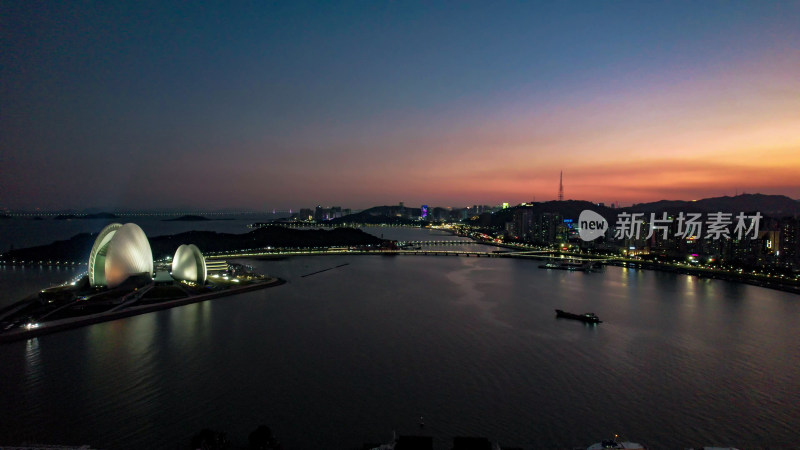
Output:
x=346 y=356
x=18 y=282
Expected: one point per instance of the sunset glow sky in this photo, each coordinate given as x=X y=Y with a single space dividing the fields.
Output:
x=293 y=104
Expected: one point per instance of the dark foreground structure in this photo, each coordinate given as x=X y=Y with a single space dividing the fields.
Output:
x=65 y=308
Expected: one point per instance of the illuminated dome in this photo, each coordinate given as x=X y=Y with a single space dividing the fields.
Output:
x=97 y=259
x=119 y=252
x=189 y=264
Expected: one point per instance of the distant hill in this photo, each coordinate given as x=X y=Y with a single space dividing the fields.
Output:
x=79 y=246
x=768 y=205
x=567 y=209
x=76 y=248
x=390 y=215
x=274 y=236
x=393 y=210
x=571 y=209
x=775 y=206
x=374 y=220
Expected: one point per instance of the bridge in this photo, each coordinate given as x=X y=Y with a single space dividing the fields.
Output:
x=530 y=254
x=251 y=254
x=329 y=224
x=447 y=253
x=461 y=242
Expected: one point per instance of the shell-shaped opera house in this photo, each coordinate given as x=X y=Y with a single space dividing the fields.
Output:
x=119 y=252
x=189 y=264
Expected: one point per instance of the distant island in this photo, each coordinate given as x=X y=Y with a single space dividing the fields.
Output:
x=187 y=218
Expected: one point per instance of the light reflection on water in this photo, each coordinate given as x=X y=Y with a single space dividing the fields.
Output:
x=32 y=359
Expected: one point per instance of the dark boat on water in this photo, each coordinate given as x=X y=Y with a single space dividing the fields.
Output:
x=586 y=318
x=566 y=265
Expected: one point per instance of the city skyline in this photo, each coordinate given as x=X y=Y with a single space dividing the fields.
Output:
x=293 y=105
x=343 y=205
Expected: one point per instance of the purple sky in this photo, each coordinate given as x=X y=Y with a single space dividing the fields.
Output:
x=286 y=105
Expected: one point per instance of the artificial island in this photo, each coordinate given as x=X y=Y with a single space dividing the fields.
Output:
x=124 y=280
x=129 y=274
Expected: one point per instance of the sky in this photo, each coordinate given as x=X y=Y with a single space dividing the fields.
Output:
x=278 y=105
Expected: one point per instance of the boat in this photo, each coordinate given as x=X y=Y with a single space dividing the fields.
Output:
x=586 y=318
x=566 y=265
x=613 y=443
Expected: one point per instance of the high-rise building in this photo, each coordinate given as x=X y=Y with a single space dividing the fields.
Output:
x=523 y=221
x=305 y=214
x=790 y=242
x=545 y=228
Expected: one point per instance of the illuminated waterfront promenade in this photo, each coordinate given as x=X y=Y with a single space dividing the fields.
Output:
x=523 y=251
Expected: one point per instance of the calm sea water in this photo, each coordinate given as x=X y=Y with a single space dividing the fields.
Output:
x=346 y=356
x=18 y=282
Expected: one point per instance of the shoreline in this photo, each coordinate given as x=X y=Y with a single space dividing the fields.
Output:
x=55 y=326
x=714 y=274
x=691 y=271
x=748 y=279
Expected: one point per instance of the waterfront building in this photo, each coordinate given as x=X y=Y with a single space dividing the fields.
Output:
x=216 y=266
x=523 y=221
x=119 y=252
x=188 y=264
x=789 y=252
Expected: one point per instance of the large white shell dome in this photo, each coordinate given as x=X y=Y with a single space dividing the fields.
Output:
x=189 y=264
x=119 y=252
